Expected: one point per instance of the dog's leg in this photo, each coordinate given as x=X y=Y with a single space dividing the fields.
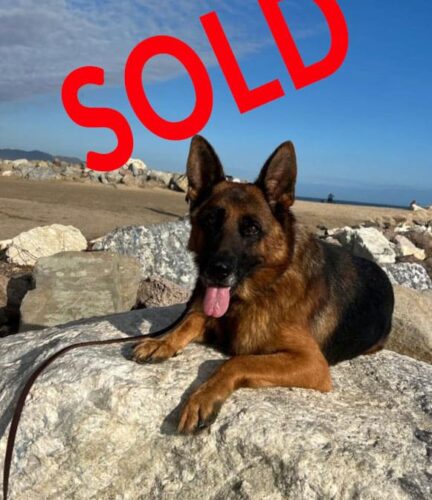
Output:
x=190 y=328
x=305 y=367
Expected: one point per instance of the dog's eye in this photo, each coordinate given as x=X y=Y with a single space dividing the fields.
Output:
x=210 y=219
x=250 y=228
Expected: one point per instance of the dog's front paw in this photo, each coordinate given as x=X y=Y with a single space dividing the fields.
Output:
x=200 y=410
x=153 y=350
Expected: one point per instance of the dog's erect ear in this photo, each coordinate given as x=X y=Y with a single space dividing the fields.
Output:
x=204 y=170
x=278 y=177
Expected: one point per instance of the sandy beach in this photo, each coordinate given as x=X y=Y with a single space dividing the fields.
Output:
x=97 y=209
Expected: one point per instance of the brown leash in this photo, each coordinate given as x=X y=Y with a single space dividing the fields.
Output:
x=29 y=384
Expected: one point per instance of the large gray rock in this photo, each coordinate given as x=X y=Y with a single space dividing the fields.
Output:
x=366 y=242
x=99 y=426
x=409 y=274
x=160 y=248
x=26 y=248
x=76 y=285
x=412 y=324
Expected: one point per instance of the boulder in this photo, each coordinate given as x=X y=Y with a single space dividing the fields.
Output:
x=422 y=239
x=179 y=182
x=75 y=285
x=407 y=248
x=160 y=248
x=24 y=169
x=4 y=244
x=72 y=172
x=99 y=426
x=114 y=177
x=162 y=178
x=13 y=289
x=136 y=166
x=26 y=248
x=412 y=324
x=132 y=181
x=366 y=242
x=42 y=174
x=14 y=284
x=410 y=275
x=157 y=292
x=20 y=162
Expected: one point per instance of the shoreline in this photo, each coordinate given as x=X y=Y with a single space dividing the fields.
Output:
x=353 y=203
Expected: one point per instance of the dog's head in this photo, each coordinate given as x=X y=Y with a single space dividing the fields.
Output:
x=242 y=234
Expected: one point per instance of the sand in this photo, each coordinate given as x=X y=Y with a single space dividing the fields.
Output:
x=97 y=209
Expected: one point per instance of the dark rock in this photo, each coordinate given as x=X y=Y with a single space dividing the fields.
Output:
x=158 y=292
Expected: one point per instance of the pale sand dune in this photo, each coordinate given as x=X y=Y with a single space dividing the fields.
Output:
x=97 y=209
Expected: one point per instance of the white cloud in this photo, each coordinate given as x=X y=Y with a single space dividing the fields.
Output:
x=41 y=41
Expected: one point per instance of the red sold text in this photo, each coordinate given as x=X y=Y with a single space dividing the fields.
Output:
x=245 y=97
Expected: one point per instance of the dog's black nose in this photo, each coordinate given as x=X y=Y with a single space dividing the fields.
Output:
x=220 y=269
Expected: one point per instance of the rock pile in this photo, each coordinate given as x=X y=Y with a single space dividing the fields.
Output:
x=134 y=173
x=402 y=247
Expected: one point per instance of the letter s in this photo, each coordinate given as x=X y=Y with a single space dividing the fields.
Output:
x=97 y=117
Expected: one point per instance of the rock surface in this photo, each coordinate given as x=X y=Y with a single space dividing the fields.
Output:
x=410 y=275
x=99 y=426
x=179 y=182
x=73 y=285
x=26 y=248
x=407 y=248
x=160 y=292
x=161 y=249
x=412 y=324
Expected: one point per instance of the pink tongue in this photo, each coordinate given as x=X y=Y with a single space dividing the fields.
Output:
x=216 y=301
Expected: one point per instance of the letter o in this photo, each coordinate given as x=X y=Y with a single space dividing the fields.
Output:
x=174 y=47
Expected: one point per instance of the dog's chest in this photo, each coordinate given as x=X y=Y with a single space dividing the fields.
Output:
x=238 y=334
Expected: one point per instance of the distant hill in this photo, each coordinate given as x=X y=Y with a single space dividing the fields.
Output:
x=18 y=154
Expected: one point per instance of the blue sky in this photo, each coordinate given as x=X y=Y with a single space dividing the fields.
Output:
x=364 y=133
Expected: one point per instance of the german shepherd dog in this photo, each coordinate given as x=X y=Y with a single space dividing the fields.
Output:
x=282 y=303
